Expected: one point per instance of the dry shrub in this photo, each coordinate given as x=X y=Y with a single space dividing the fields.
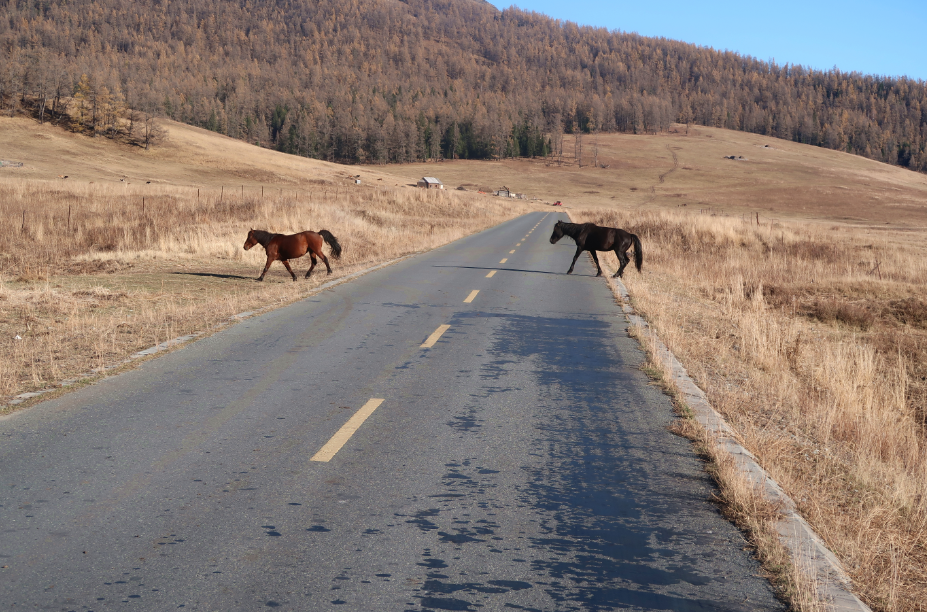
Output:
x=830 y=310
x=808 y=339
x=909 y=311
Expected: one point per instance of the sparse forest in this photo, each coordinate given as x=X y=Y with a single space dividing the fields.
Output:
x=377 y=81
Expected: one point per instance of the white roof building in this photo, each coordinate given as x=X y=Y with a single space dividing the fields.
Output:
x=430 y=182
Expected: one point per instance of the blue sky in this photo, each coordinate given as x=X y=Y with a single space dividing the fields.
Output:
x=884 y=38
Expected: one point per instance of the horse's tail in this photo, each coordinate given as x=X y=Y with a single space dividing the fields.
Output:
x=333 y=243
x=638 y=253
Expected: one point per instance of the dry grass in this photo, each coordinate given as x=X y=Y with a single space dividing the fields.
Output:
x=92 y=271
x=778 y=180
x=810 y=339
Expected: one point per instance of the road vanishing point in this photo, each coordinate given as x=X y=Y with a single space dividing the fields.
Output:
x=467 y=429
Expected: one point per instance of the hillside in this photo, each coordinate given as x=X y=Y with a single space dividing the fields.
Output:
x=376 y=81
x=776 y=179
x=188 y=156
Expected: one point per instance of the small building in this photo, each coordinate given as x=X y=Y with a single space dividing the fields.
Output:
x=430 y=182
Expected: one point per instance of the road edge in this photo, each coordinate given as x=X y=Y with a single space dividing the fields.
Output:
x=14 y=406
x=174 y=343
x=805 y=547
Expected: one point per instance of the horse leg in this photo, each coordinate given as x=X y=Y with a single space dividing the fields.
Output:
x=288 y=268
x=623 y=259
x=312 y=265
x=575 y=257
x=266 y=267
x=596 y=260
x=325 y=261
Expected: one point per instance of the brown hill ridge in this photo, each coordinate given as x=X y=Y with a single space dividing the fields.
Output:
x=383 y=81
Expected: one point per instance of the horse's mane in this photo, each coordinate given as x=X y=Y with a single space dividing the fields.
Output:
x=263 y=237
x=572 y=230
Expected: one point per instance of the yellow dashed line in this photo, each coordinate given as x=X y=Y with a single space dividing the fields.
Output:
x=430 y=342
x=347 y=430
x=504 y=259
x=491 y=274
x=471 y=296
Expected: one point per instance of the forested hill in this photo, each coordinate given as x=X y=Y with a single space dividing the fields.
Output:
x=390 y=80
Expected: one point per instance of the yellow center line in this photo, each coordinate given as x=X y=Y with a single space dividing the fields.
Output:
x=471 y=296
x=504 y=259
x=518 y=245
x=491 y=274
x=347 y=430
x=512 y=251
x=430 y=342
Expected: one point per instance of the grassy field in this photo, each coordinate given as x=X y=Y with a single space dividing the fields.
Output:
x=792 y=284
x=134 y=248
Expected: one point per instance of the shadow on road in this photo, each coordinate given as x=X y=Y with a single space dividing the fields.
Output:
x=501 y=269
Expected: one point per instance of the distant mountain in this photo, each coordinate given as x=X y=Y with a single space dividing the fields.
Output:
x=402 y=80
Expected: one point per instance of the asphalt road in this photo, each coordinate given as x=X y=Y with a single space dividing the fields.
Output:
x=521 y=461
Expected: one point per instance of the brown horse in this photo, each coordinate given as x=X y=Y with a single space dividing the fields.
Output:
x=592 y=238
x=285 y=248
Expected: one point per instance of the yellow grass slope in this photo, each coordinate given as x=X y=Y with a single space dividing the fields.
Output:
x=188 y=156
x=776 y=178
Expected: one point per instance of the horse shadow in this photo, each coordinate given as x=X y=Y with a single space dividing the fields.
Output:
x=501 y=269
x=214 y=275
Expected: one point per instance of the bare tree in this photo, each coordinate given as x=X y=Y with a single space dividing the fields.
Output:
x=434 y=144
x=577 y=143
x=43 y=84
x=556 y=137
x=152 y=132
x=594 y=128
x=455 y=140
x=10 y=79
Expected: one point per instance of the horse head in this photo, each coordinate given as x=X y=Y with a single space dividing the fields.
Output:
x=251 y=240
x=558 y=232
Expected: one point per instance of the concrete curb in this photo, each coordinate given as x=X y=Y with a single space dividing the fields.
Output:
x=22 y=397
x=805 y=547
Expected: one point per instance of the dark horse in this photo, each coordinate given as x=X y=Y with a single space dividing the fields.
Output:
x=592 y=238
x=285 y=248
